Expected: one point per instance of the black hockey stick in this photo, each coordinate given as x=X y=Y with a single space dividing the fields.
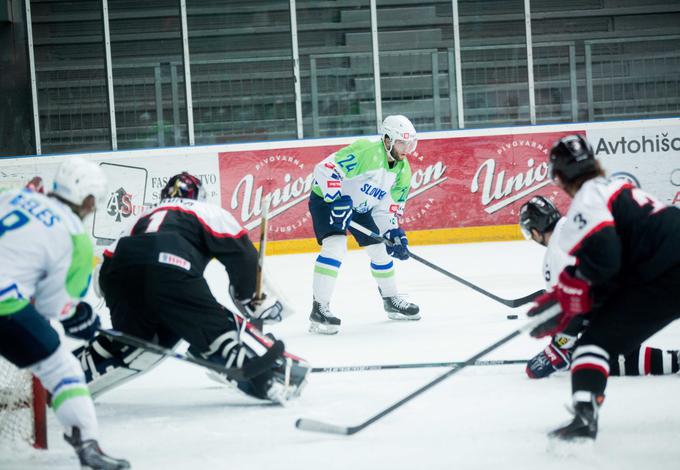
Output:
x=500 y=362
x=233 y=373
x=320 y=426
x=513 y=303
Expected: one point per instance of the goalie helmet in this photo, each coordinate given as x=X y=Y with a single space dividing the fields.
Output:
x=77 y=178
x=571 y=157
x=399 y=129
x=184 y=185
x=539 y=214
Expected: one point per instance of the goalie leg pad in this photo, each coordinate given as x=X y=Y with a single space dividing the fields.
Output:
x=107 y=364
x=272 y=373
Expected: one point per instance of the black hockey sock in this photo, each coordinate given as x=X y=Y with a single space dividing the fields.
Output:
x=589 y=369
x=588 y=380
x=645 y=361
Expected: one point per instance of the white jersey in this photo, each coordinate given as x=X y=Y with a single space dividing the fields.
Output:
x=46 y=255
x=556 y=258
x=361 y=172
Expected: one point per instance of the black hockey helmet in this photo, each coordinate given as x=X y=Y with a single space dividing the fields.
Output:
x=571 y=157
x=539 y=214
x=184 y=185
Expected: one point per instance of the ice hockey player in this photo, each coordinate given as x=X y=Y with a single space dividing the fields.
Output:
x=152 y=281
x=541 y=222
x=626 y=274
x=367 y=182
x=46 y=267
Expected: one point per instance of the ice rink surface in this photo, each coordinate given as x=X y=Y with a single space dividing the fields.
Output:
x=485 y=417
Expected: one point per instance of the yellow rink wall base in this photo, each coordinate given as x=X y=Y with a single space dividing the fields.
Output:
x=493 y=233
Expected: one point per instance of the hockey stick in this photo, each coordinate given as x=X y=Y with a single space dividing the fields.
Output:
x=500 y=362
x=258 y=323
x=263 y=245
x=513 y=303
x=320 y=426
x=239 y=374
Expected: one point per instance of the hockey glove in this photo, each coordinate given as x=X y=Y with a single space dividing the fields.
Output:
x=83 y=324
x=267 y=308
x=551 y=359
x=399 y=248
x=573 y=294
x=341 y=213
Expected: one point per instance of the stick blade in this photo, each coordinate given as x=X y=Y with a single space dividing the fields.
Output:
x=313 y=425
x=526 y=299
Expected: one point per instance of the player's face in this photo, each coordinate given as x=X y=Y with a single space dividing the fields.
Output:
x=402 y=148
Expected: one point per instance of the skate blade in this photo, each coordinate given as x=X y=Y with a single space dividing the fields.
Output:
x=323 y=329
x=401 y=316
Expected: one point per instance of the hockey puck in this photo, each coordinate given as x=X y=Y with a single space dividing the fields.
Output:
x=512 y=317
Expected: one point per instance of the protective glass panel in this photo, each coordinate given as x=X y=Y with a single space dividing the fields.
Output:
x=70 y=76
x=241 y=71
x=336 y=68
x=148 y=75
x=417 y=73
x=494 y=63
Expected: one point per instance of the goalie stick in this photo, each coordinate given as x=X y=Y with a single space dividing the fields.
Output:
x=234 y=373
x=513 y=303
x=313 y=425
x=499 y=362
x=259 y=275
x=263 y=245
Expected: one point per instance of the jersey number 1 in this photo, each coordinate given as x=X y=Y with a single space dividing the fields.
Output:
x=155 y=221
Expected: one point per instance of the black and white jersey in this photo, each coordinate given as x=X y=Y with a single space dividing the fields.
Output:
x=186 y=234
x=619 y=234
x=555 y=258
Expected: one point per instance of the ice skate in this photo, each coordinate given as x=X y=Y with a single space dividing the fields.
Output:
x=91 y=456
x=582 y=427
x=398 y=308
x=322 y=320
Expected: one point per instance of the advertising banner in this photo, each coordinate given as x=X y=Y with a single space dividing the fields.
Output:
x=457 y=182
x=471 y=182
x=648 y=156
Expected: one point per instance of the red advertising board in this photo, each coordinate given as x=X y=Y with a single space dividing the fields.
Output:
x=457 y=182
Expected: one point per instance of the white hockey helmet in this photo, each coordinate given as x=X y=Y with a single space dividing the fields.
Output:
x=78 y=178
x=399 y=129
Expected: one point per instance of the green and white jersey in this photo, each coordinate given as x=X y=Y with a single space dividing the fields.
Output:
x=361 y=171
x=45 y=253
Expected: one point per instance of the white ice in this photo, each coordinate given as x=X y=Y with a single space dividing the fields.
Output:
x=485 y=417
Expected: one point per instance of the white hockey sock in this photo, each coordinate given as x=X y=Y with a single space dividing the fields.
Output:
x=61 y=375
x=382 y=269
x=327 y=265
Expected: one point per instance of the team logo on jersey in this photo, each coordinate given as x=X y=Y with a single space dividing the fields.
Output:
x=120 y=204
x=362 y=208
x=373 y=191
x=394 y=208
